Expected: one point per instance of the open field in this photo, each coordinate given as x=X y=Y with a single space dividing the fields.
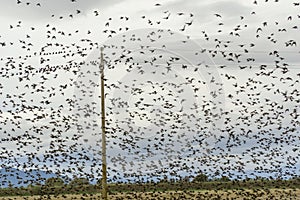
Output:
x=261 y=194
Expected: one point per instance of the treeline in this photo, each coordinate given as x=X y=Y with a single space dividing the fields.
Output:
x=56 y=186
x=52 y=186
x=201 y=182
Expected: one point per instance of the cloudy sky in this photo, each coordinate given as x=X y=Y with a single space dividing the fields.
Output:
x=213 y=84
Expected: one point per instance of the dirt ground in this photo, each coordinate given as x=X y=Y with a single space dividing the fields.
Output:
x=273 y=194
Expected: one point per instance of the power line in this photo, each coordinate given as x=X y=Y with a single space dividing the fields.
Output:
x=79 y=50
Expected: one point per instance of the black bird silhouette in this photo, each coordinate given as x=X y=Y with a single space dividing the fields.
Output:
x=227 y=109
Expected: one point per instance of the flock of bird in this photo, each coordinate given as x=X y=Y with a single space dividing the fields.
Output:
x=225 y=106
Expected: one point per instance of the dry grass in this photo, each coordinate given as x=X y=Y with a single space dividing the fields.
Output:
x=279 y=194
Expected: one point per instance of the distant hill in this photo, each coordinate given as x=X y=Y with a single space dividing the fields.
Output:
x=18 y=178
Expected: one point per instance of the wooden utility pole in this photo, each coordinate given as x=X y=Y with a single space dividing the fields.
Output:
x=104 y=166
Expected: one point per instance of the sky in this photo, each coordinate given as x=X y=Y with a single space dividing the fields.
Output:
x=191 y=86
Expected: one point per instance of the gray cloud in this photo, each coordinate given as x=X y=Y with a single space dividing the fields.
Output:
x=204 y=20
x=49 y=8
x=229 y=8
x=205 y=9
